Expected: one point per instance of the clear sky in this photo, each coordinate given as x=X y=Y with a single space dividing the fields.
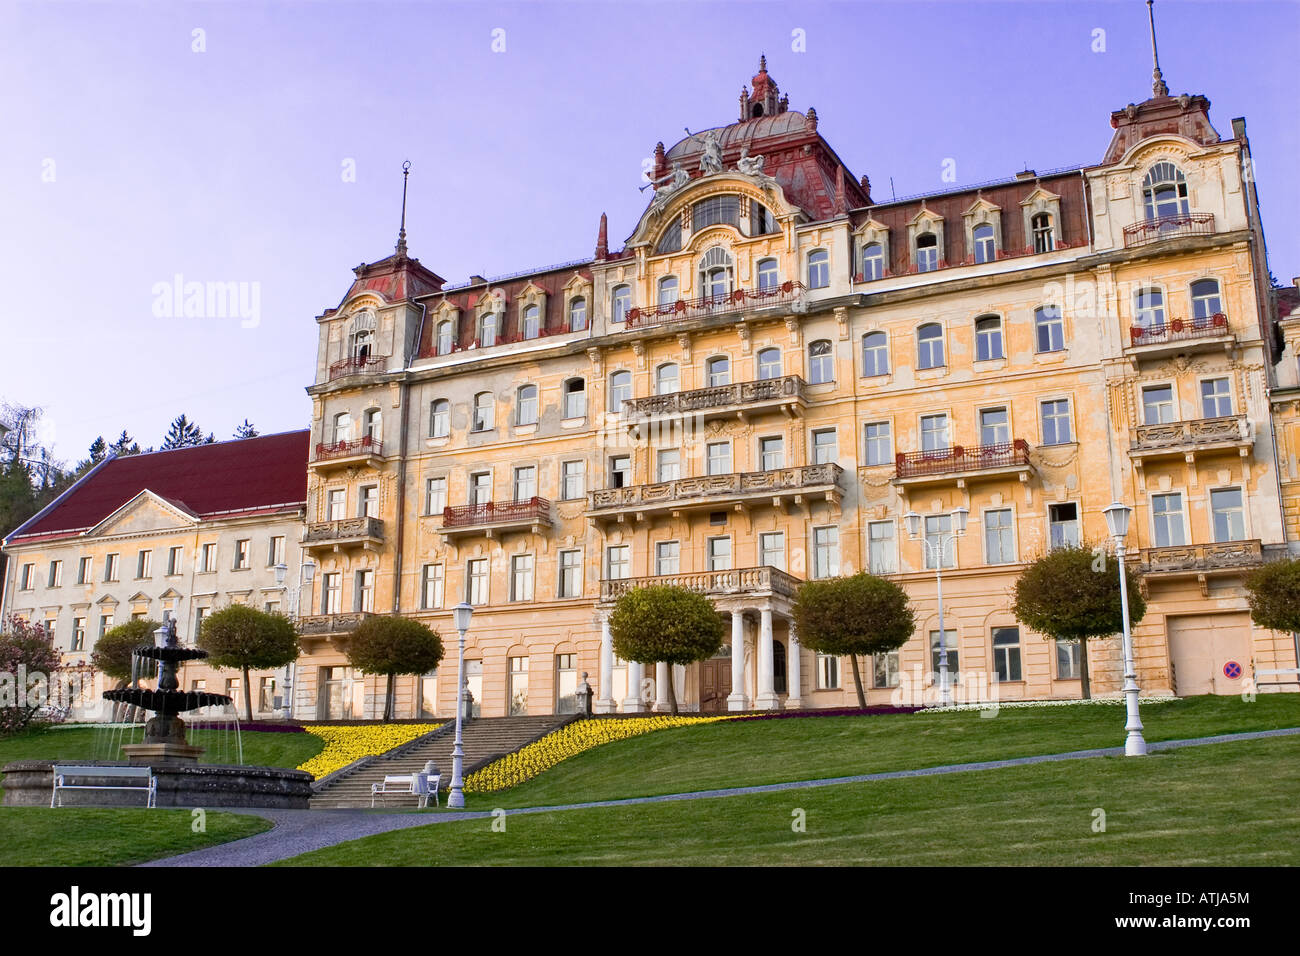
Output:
x=128 y=155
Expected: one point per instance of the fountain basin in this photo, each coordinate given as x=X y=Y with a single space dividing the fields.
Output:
x=28 y=783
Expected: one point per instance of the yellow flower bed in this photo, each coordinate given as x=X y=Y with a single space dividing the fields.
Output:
x=346 y=744
x=579 y=736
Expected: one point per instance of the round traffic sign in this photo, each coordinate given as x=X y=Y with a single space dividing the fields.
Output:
x=1232 y=670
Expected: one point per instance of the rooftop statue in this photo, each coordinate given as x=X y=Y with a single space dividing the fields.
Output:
x=711 y=158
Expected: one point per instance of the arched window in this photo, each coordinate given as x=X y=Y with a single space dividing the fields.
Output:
x=620 y=389
x=1149 y=309
x=577 y=314
x=819 y=269
x=1206 y=299
x=440 y=418
x=575 y=398
x=444 y=337
x=667 y=290
x=667 y=379
x=821 y=363
x=1049 y=329
x=621 y=303
x=985 y=250
x=768 y=276
x=929 y=346
x=526 y=405
x=875 y=354
x=362 y=345
x=671 y=240
x=1164 y=191
x=1041 y=225
x=373 y=427
x=484 y=417
x=927 y=252
x=343 y=427
x=715 y=210
x=718 y=370
x=487 y=329
x=769 y=363
x=715 y=273
x=988 y=338
x=778 y=668
x=873 y=261
x=532 y=324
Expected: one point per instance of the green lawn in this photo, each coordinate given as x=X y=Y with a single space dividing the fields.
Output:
x=86 y=836
x=1225 y=804
x=738 y=753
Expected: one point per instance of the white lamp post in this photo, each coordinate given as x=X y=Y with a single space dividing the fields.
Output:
x=936 y=551
x=306 y=573
x=1135 y=745
x=456 y=796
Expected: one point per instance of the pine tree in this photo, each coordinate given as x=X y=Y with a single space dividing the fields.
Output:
x=246 y=430
x=183 y=433
x=125 y=445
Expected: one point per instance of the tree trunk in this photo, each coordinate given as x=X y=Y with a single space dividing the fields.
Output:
x=672 y=691
x=248 y=698
x=388 y=698
x=1085 y=685
x=857 y=682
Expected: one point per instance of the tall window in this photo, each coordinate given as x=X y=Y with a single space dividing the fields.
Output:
x=1006 y=653
x=988 y=338
x=875 y=354
x=769 y=363
x=667 y=379
x=241 y=554
x=618 y=562
x=927 y=252
x=484 y=416
x=1049 y=329
x=1041 y=226
x=826 y=552
x=573 y=479
x=884 y=670
x=718 y=458
x=445 y=339
x=768 y=278
x=828 y=672
x=1063 y=524
x=943 y=547
x=78 y=634
x=1150 y=311
x=1157 y=404
x=821 y=363
x=526 y=405
x=879 y=447
x=671 y=240
x=1067 y=660
x=331 y=593
x=620 y=389
x=440 y=418
x=521 y=577
x=431 y=591
x=771 y=549
x=1228 y=514
x=716 y=273
x=929 y=346
x=667 y=291
x=275 y=551
x=620 y=303
x=995 y=426
x=525 y=482
x=368 y=503
x=1206 y=300
x=570 y=574
x=435 y=495
x=668 y=464
x=718 y=554
x=1056 y=421
x=1167 y=516
x=517 y=668
x=771 y=453
x=577 y=314
x=364 y=600
x=575 y=398
x=819 y=269
x=476 y=581
x=143 y=564
x=566 y=684
x=873 y=261
x=985 y=247
x=175 y=560
x=934 y=432
x=1216 y=398
x=336 y=501
x=110 y=567
x=718 y=371
x=761 y=220
x=882 y=552
x=532 y=322
x=668 y=556
x=949 y=651
x=56 y=573
x=342 y=427
x=487 y=329
x=825 y=446
x=480 y=487
x=999 y=537
x=84 y=570
x=1164 y=191
x=373 y=425
x=620 y=471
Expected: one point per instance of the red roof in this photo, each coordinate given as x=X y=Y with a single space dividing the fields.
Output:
x=249 y=476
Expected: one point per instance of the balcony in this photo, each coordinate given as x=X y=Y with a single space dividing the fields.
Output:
x=1179 y=337
x=492 y=517
x=741 y=300
x=1188 y=439
x=757 y=582
x=365 y=451
x=1201 y=560
x=330 y=625
x=741 y=400
x=780 y=487
x=366 y=533
x=1168 y=227
x=367 y=365
x=959 y=464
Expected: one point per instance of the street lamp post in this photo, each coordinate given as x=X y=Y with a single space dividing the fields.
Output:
x=456 y=796
x=306 y=573
x=913 y=520
x=1135 y=745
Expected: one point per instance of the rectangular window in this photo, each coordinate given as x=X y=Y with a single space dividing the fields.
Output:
x=364 y=599
x=883 y=554
x=999 y=543
x=668 y=464
x=78 y=634
x=431 y=591
x=618 y=562
x=84 y=570
x=336 y=504
x=525 y=482
x=175 y=561
x=825 y=447
x=934 y=433
x=266 y=695
x=1167 y=515
x=480 y=487
x=110 y=567
x=199 y=614
x=275 y=551
x=1157 y=405
x=828 y=672
x=718 y=552
x=566 y=684
x=573 y=475
x=1006 y=653
x=620 y=471
x=241 y=554
x=521 y=577
x=105 y=622
x=1067 y=660
x=1063 y=525
x=570 y=574
x=331 y=592
x=950 y=651
x=1049 y=329
x=1056 y=421
x=476 y=581
x=771 y=453
x=938 y=533
x=884 y=669
x=368 y=505
x=1216 y=398
x=988 y=339
x=826 y=552
x=668 y=557
x=719 y=457
x=517 y=671
x=771 y=549
x=880 y=449
x=995 y=426
x=1229 y=516
x=144 y=564
x=56 y=574
x=435 y=495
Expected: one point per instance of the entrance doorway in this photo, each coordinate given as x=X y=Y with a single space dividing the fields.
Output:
x=715 y=682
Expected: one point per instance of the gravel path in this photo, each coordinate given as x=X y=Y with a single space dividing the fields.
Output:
x=298 y=831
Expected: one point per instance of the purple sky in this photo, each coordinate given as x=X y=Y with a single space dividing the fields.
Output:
x=227 y=165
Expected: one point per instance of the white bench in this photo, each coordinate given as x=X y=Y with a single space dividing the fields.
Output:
x=408 y=784
x=1276 y=672
x=131 y=778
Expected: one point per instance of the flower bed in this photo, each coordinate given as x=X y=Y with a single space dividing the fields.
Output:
x=343 y=745
x=253 y=728
x=837 y=712
x=568 y=741
x=999 y=705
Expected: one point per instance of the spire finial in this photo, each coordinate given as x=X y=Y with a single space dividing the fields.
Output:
x=762 y=63
x=401 y=232
x=1158 y=87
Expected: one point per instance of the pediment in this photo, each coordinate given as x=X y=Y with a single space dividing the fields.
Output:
x=1040 y=195
x=925 y=217
x=871 y=226
x=107 y=601
x=981 y=205
x=139 y=597
x=143 y=513
x=577 y=283
x=171 y=594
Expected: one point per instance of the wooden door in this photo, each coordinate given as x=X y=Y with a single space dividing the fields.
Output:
x=715 y=684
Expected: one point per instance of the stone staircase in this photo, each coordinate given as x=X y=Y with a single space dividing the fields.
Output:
x=484 y=739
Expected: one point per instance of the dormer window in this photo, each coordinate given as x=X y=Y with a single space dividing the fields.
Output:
x=444 y=337
x=873 y=261
x=621 y=303
x=487 y=329
x=985 y=247
x=578 y=314
x=1042 y=229
x=532 y=323
x=715 y=210
x=716 y=274
x=927 y=252
x=1164 y=192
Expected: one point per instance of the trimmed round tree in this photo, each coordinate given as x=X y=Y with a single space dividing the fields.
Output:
x=24 y=649
x=392 y=646
x=244 y=638
x=113 y=652
x=1273 y=592
x=665 y=624
x=1072 y=594
x=856 y=615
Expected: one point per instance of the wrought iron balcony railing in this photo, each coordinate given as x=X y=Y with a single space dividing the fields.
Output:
x=349 y=449
x=775 y=482
x=758 y=580
x=1229 y=429
x=685 y=309
x=1179 y=330
x=358 y=366
x=1203 y=557
x=958 y=458
x=1168 y=227
x=525 y=511
x=788 y=388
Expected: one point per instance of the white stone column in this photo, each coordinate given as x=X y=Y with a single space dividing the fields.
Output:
x=794 y=672
x=737 y=700
x=661 y=688
x=766 y=698
x=606 y=704
x=632 y=703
